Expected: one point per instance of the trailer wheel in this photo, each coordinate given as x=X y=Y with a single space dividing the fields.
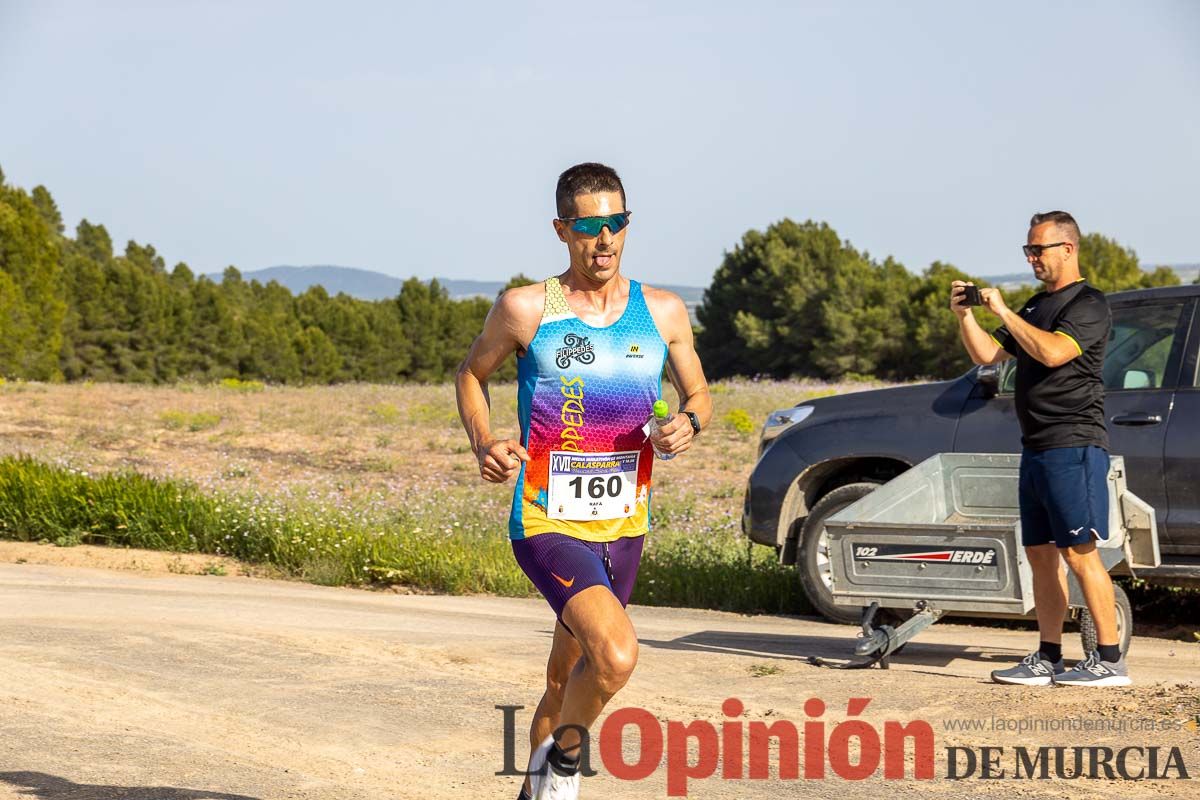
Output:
x=1087 y=625
x=812 y=558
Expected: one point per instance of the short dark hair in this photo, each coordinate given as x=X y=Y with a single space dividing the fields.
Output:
x=1066 y=224
x=585 y=179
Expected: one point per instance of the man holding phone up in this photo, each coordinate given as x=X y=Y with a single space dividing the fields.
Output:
x=1058 y=339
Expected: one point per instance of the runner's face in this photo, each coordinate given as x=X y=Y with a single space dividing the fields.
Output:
x=597 y=257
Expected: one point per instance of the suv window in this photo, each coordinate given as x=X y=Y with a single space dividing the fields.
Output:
x=1008 y=376
x=1139 y=347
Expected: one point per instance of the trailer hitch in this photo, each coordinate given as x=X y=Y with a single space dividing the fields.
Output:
x=878 y=644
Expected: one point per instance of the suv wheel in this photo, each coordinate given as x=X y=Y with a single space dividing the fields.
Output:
x=812 y=558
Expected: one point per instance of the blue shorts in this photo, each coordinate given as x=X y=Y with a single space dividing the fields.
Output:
x=562 y=566
x=1064 y=496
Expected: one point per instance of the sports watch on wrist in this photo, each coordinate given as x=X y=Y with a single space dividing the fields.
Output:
x=692 y=418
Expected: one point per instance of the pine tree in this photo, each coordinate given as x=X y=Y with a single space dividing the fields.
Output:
x=33 y=305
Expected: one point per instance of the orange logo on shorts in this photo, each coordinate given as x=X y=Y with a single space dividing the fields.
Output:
x=565 y=583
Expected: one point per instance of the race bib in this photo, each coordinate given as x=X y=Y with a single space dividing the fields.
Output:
x=586 y=486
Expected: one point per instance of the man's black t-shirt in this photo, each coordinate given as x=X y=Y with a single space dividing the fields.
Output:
x=1063 y=406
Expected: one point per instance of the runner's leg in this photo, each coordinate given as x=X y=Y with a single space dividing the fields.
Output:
x=560 y=567
x=609 y=654
x=563 y=655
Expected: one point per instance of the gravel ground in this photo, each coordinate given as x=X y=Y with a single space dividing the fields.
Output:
x=141 y=682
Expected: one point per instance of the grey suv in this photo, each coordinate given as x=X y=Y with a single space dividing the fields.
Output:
x=820 y=456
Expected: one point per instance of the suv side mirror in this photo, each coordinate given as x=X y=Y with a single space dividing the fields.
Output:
x=988 y=376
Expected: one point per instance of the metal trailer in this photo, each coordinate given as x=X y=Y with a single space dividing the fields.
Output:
x=945 y=537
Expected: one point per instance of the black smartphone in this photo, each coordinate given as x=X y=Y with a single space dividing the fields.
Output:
x=971 y=296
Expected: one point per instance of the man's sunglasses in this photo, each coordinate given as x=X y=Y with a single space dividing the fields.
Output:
x=1035 y=250
x=591 y=226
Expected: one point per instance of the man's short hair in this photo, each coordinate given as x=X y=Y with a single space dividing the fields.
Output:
x=585 y=179
x=1067 y=227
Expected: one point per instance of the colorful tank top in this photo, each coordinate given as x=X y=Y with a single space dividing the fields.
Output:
x=584 y=396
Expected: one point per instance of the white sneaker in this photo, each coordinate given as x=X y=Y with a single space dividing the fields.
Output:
x=1094 y=671
x=547 y=783
x=558 y=787
x=1032 y=671
x=537 y=765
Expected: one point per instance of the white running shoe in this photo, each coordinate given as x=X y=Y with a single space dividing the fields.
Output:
x=1032 y=671
x=537 y=765
x=1094 y=671
x=547 y=783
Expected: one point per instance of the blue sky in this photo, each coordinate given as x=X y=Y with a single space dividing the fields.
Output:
x=425 y=138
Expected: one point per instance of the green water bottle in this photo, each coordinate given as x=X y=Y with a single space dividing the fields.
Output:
x=662 y=415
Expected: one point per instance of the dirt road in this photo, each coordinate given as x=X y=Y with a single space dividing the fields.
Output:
x=148 y=685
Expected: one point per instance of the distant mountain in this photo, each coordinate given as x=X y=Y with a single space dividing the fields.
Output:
x=361 y=283
x=366 y=284
x=1187 y=274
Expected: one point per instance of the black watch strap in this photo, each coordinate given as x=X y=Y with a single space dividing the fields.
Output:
x=691 y=415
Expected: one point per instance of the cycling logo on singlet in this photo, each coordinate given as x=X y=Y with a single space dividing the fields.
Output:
x=574 y=347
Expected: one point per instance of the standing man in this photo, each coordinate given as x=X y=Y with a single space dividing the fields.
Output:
x=591 y=345
x=1058 y=339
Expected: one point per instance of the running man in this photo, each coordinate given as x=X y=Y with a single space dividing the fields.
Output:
x=1058 y=339
x=591 y=345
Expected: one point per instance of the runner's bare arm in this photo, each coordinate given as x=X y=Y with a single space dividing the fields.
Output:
x=683 y=369
x=509 y=327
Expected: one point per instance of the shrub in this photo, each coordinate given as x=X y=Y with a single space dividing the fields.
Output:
x=236 y=385
x=384 y=412
x=740 y=420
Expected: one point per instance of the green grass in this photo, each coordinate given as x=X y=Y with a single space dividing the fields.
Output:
x=717 y=572
x=384 y=412
x=448 y=543
x=238 y=385
x=355 y=546
x=198 y=421
x=42 y=502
